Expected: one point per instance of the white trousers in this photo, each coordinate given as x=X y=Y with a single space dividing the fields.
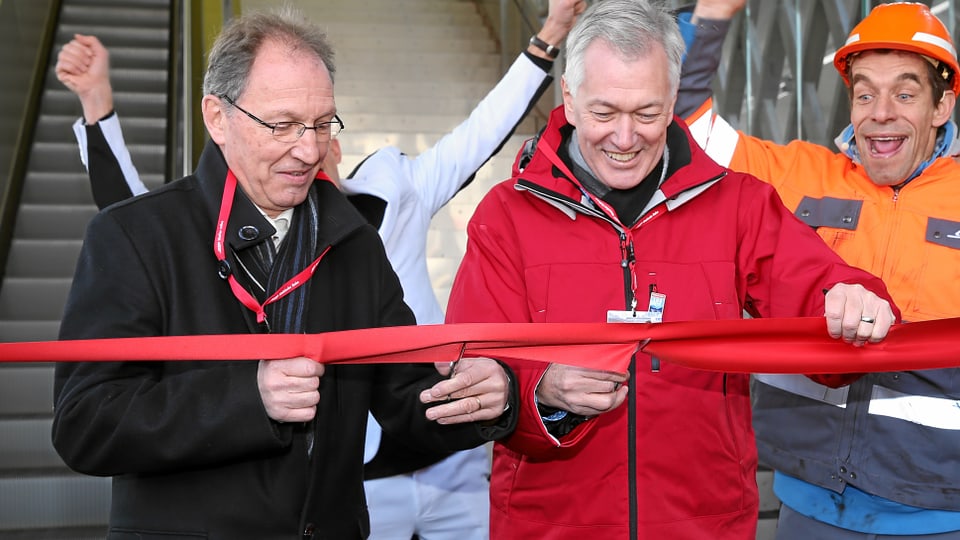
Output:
x=449 y=500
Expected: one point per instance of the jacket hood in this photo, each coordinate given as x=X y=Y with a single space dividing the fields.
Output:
x=546 y=169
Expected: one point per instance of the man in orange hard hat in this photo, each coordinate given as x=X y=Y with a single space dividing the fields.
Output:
x=880 y=457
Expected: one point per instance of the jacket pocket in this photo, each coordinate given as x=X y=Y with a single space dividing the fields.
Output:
x=938 y=273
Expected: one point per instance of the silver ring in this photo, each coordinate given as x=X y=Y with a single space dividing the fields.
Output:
x=868 y=320
x=479 y=404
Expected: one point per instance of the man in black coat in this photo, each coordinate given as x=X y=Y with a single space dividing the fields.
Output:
x=268 y=449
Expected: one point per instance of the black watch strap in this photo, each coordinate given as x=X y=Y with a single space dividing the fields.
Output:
x=551 y=51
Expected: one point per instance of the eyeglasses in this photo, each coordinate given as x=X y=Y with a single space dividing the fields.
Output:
x=289 y=132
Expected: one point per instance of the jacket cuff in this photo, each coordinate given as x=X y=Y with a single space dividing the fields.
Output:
x=506 y=423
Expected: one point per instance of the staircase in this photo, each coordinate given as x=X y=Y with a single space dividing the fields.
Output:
x=39 y=497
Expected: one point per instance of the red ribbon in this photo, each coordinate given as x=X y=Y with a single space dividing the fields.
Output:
x=792 y=345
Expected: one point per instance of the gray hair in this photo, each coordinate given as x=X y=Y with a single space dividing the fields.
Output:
x=232 y=55
x=630 y=26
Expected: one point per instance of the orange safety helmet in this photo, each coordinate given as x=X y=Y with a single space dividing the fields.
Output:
x=903 y=26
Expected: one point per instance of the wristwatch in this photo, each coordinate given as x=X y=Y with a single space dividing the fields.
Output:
x=551 y=51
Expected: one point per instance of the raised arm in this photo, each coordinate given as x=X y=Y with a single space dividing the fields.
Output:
x=704 y=29
x=447 y=167
x=83 y=66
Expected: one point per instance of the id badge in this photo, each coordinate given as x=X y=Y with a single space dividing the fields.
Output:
x=657 y=301
x=654 y=313
x=630 y=316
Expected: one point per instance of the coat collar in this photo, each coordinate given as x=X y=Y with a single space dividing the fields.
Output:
x=686 y=157
x=247 y=226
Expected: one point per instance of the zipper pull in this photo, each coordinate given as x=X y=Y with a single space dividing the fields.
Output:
x=624 y=254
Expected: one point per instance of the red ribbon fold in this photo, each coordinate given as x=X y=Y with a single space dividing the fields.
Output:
x=790 y=345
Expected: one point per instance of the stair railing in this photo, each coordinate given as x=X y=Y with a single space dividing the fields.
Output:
x=195 y=26
x=27 y=31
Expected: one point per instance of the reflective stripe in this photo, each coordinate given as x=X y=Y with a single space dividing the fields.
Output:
x=803 y=386
x=715 y=136
x=935 y=412
x=700 y=128
x=936 y=41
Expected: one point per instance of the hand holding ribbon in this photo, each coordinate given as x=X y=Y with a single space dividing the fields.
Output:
x=479 y=388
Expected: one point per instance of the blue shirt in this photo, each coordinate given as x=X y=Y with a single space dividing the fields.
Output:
x=856 y=510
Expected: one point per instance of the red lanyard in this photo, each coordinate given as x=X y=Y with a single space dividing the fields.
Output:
x=245 y=298
x=626 y=243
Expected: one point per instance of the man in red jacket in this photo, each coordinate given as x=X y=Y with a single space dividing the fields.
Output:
x=617 y=212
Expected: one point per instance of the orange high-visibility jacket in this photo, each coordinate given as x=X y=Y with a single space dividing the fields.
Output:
x=908 y=236
x=919 y=255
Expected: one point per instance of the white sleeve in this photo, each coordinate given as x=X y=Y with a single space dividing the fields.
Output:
x=442 y=170
x=110 y=127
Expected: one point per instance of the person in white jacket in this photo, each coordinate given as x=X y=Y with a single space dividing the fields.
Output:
x=409 y=494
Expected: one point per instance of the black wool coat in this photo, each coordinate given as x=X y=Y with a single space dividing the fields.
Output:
x=190 y=448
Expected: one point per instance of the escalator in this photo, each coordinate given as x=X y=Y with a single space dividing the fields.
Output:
x=39 y=497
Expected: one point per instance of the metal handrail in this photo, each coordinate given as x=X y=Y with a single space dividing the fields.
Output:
x=28 y=27
x=194 y=26
x=175 y=98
